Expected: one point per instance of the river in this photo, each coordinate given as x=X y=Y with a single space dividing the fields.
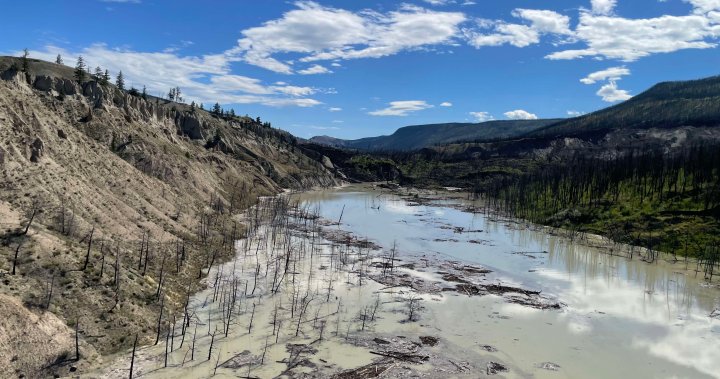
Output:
x=624 y=318
x=617 y=318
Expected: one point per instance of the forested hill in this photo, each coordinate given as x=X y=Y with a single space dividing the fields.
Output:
x=665 y=105
x=420 y=136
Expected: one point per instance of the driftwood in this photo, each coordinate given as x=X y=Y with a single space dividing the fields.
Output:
x=407 y=357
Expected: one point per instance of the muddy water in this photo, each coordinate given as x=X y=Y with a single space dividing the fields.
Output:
x=624 y=318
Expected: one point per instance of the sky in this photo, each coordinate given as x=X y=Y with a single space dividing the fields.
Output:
x=353 y=69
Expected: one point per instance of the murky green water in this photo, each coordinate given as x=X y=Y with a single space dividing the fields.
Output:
x=624 y=318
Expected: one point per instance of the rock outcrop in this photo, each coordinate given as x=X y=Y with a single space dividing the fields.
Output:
x=37 y=148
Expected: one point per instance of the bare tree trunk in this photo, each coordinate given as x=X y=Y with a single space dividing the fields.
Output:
x=17 y=251
x=162 y=306
x=132 y=360
x=87 y=255
x=77 y=340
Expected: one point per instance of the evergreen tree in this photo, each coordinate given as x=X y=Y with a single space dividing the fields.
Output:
x=120 y=81
x=105 y=78
x=144 y=93
x=232 y=113
x=25 y=62
x=202 y=106
x=217 y=110
x=80 y=67
x=59 y=59
x=98 y=74
x=171 y=94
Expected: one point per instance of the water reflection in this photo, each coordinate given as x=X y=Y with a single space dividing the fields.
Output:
x=657 y=313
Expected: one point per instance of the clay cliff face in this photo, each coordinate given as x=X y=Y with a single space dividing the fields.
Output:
x=100 y=170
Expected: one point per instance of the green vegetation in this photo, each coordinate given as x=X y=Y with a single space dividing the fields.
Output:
x=664 y=202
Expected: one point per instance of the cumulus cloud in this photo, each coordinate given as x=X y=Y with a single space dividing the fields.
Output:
x=315 y=69
x=520 y=114
x=538 y=22
x=315 y=33
x=206 y=78
x=402 y=108
x=612 y=73
x=603 y=7
x=604 y=34
x=482 y=116
x=335 y=109
x=613 y=37
x=611 y=93
x=446 y=104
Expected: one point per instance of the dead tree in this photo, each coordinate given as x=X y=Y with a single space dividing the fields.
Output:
x=33 y=212
x=412 y=303
x=159 y=322
x=50 y=291
x=17 y=251
x=77 y=340
x=87 y=255
x=132 y=359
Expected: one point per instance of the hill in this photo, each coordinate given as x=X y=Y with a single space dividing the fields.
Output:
x=101 y=192
x=421 y=136
x=665 y=105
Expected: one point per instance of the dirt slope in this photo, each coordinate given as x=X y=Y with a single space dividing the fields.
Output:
x=121 y=174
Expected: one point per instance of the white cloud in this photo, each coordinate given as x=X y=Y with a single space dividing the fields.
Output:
x=402 y=108
x=481 y=116
x=315 y=69
x=604 y=34
x=611 y=93
x=324 y=127
x=628 y=40
x=575 y=113
x=545 y=21
x=439 y=2
x=205 y=79
x=519 y=35
x=446 y=104
x=335 y=109
x=704 y=6
x=520 y=114
x=603 y=7
x=612 y=73
x=314 y=33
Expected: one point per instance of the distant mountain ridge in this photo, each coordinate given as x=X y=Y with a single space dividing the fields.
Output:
x=664 y=105
x=420 y=136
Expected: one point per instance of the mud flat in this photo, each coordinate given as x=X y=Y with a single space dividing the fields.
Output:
x=304 y=298
x=353 y=283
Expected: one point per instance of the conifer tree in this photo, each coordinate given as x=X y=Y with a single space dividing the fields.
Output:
x=80 y=72
x=98 y=74
x=120 y=81
x=217 y=110
x=25 y=62
x=59 y=59
x=144 y=93
x=105 y=78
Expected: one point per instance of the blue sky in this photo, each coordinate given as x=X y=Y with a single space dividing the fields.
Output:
x=352 y=69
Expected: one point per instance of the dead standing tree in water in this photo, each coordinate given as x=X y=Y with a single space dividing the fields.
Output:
x=412 y=306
